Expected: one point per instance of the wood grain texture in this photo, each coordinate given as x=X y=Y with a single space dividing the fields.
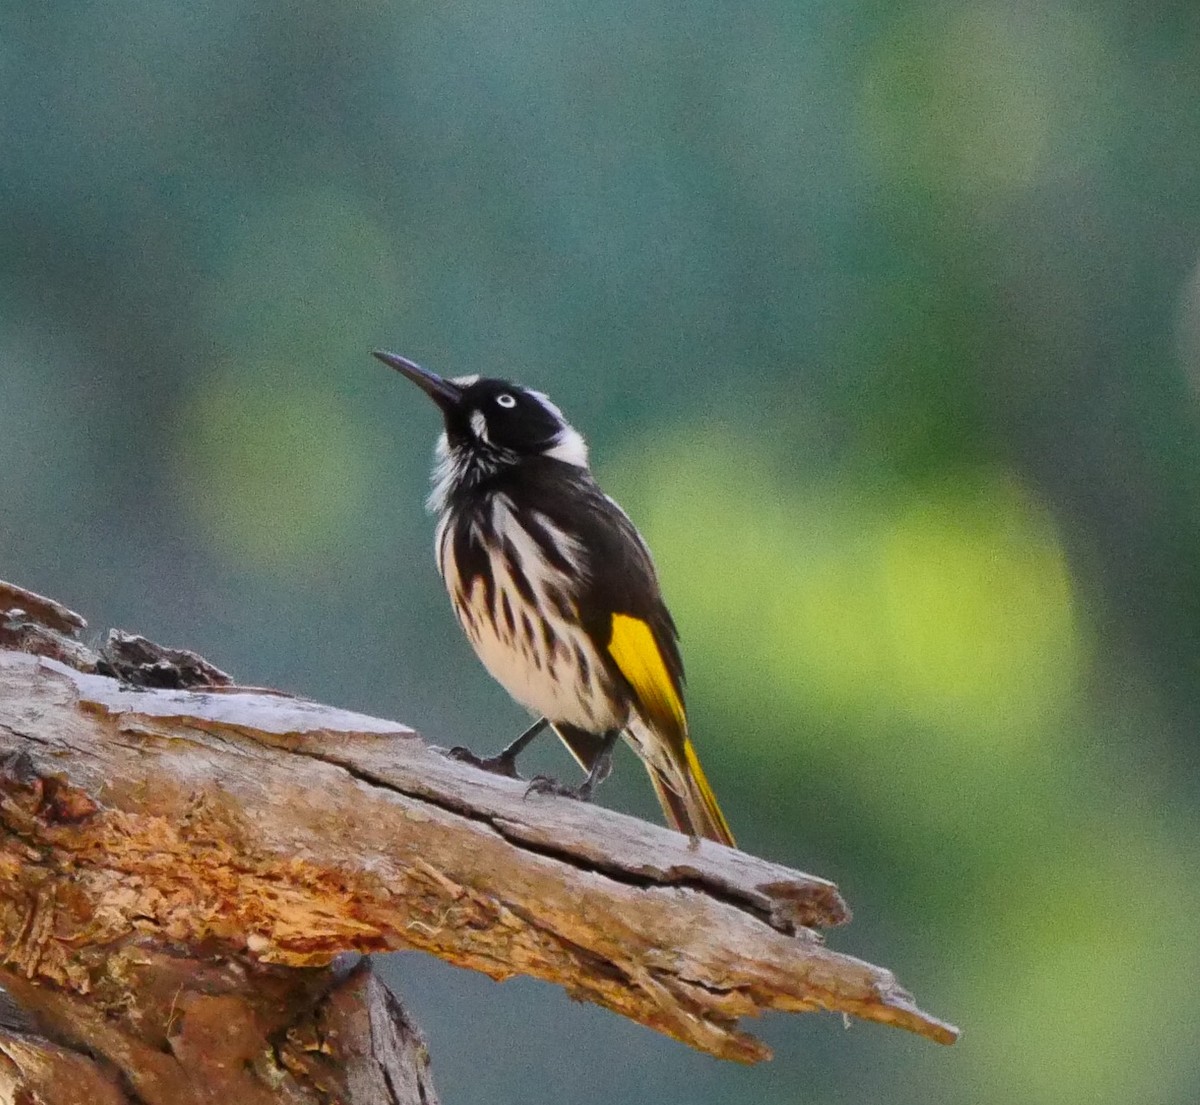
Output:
x=280 y=832
x=161 y=1027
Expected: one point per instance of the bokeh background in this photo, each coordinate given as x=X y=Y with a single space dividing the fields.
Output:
x=884 y=323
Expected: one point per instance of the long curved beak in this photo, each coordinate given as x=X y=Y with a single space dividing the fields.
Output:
x=445 y=393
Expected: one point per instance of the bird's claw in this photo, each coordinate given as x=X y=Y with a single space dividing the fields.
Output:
x=494 y=765
x=544 y=784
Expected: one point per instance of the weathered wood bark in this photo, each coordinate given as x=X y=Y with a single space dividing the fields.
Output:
x=173 y=861
x=161 y=1027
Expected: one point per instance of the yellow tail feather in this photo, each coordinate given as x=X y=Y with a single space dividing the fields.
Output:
x=688 y=801
x=716 y=824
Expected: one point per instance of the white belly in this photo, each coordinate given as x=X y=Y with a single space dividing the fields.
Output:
x=546 y=677
x=551 y=669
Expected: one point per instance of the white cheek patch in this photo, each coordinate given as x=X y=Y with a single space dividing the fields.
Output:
x=570 y=447
x=479 y=426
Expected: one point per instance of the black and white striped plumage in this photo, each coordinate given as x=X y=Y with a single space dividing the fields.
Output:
x=556 y=589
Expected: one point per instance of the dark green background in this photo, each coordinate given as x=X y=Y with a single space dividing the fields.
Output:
x=883 y=321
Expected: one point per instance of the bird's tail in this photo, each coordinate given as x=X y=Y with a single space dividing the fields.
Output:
x=686 y=798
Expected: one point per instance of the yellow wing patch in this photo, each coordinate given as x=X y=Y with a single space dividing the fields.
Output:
x=636 y=653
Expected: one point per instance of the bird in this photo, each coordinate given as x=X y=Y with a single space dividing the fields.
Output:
x=558 y=593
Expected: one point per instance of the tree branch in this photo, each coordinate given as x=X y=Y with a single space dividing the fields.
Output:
x=240 y=823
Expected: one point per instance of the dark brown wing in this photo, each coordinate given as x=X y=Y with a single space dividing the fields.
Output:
x=618 y=584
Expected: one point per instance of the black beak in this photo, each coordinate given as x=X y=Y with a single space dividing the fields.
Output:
x=445 y=393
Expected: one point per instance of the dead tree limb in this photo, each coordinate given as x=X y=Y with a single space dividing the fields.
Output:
x=238 y=829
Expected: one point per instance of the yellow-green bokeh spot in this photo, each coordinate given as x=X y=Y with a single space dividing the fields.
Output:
x=273 y=474
x=949 y=607
x=978 y=605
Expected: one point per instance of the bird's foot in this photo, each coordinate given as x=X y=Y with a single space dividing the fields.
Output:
x=496 y=765
x=544 y=784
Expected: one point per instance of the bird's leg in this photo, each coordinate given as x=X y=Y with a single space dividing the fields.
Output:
x=505 y=761
x=601 y=766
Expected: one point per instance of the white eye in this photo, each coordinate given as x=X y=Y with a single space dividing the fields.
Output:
x=506 y=401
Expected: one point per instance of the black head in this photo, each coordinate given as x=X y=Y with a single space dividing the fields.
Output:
x=493 y=421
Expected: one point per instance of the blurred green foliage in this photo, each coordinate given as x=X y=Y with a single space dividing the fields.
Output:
x=882 y=321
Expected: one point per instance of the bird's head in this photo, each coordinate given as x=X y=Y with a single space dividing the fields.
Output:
x=490 y=425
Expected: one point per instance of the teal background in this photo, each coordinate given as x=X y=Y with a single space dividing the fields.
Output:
x=883 y=321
